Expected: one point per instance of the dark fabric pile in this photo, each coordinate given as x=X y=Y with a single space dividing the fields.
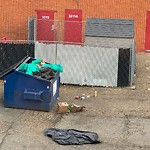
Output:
x=71 y=136
x=45 y=73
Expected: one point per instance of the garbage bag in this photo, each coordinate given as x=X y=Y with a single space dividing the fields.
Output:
x=71 y=136
x=32 y=68
x=37 y=61
x=55 y=67
x=23 y=67
x=29 y=68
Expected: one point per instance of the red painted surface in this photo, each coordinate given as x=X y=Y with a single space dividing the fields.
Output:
x=147 y=38
x=45 y=25
x=73 y=26
x=4 y=40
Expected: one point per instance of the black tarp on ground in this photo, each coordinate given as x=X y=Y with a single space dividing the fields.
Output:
x=71 y=136
x=10 y=54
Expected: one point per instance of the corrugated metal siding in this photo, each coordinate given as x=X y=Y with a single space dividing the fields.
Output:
x=47 y=52
x=116 y=43
x=94 y=66
x=88 y=65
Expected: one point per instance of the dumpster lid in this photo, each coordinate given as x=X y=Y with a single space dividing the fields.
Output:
x=13 y=67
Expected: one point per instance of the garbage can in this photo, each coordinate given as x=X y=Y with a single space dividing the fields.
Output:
x=26 y=91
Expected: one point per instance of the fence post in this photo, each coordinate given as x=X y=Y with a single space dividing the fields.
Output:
x=56 y=53
x=35 y=29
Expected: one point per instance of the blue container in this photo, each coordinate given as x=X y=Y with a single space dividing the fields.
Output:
x=29 y=92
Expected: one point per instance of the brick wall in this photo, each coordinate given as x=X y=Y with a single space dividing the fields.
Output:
x=14 y=14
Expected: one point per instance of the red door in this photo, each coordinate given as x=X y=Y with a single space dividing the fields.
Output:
x=73 y=26
x=45 y=25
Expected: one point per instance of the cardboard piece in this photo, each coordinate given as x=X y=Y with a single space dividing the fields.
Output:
x=63 y=107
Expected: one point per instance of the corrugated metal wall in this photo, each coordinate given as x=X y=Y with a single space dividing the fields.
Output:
x=47 y=52
x=94 y=66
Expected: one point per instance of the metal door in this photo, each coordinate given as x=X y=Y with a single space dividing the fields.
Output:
x=147 y=38
x=45 y=25
x=73 y=26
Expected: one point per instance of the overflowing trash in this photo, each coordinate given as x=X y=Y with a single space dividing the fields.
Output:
x=72 y=136
x=40 y=69
x=64 y=107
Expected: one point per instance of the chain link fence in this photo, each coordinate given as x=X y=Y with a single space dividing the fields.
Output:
x=60 y=31
x=92 y=61
x=87 y=60
x=89 y=65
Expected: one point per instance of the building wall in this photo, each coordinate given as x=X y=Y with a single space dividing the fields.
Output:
x=14 y=14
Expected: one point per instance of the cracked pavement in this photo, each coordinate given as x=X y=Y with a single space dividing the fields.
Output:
x=120 y=116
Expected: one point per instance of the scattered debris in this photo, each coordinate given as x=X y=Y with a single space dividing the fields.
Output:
x=64 y=107
x=72 y=136
x=133 y=87
x=148 y=89
x=77 y=97
x=82 y=97
x=147 y=68
x=88 y=96
x=148 y=76
x=76 y=108
x=95 y=93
